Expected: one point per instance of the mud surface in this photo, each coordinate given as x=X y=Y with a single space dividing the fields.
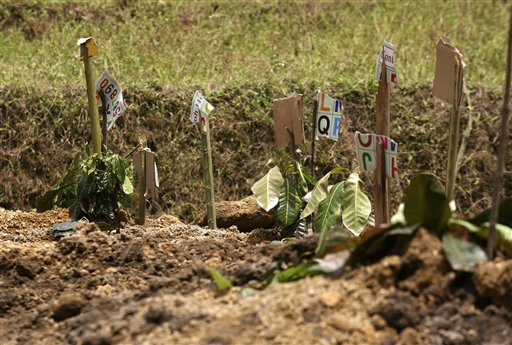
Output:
x=150 y=285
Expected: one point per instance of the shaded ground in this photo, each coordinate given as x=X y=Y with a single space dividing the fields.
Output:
x=149 y=285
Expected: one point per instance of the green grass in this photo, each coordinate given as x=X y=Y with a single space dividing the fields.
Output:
x=212 y=45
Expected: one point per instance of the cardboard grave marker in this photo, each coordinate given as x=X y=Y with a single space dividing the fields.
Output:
x=87 y=51
x=288 y=121
x=386 y=56
x=367 y=150
x=145 y=166
x=329 y=116
x=448 y=86
x=199 y=112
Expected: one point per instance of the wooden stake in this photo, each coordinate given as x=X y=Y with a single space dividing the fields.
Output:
x=103 y=124
x=313 y=137
x=140 y=167
x=451 y=172
x=498 y=181
x=208 y=176
x=91 y=97
x=381 y=188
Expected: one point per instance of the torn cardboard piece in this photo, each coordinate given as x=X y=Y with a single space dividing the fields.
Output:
x=90 y=44
x=288 y=119
x=447 y=57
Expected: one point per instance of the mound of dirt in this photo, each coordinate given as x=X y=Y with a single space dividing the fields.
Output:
x=151 y=285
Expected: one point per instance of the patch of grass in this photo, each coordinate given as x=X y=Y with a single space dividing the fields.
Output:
x=229 y=43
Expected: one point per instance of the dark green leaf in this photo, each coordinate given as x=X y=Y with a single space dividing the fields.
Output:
x=289 y=205
x=462 y=255
x=426 y=204
x=504 y=214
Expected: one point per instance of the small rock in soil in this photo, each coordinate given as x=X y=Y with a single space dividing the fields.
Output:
x=68 y=306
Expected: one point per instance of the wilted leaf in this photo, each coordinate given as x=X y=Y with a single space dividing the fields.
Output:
x=426 y=203
x=289 y=203
x=267 y=189
x=221 y=282
x=332 y=262
x=462 y=255
x=355 y=206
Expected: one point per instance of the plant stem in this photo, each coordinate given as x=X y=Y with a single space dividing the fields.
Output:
x=498 y=180
x=208 y=176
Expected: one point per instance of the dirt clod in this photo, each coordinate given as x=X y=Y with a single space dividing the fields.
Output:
x=68 y=306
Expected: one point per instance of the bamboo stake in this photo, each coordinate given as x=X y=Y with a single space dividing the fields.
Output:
x=103 y=124
x=313 y=137
x=208 y=175
x=498 y=181
x=91 y=98
x=381 y=187
x=451 y=172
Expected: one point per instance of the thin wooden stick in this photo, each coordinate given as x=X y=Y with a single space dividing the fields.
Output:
x=91 y=97
x=498 y=180
x=381 y=188
x=208 y=176
x=141 y=169
x=451 y=172
x=103 y=123
x=313 y=137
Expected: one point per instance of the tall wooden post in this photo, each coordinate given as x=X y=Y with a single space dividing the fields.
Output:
x=103 y=124
x=498 y=181
x=91 y=97
x=140 y=167
x=313 y=136
x=381 y=187
x=451 y=172
x=208 y=175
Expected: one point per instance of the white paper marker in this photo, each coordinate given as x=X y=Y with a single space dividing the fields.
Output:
x=387 y=55
x=201 y=108
x=113 y=96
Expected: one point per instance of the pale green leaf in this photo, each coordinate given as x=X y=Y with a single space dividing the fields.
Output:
x=355 y=206
x=319 y=193
x=221 y=282
x=267 y=189
x=328 y=210
x=462 y=255
x=127 y=185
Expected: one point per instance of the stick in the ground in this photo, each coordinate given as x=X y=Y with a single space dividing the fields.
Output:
x=498 y=180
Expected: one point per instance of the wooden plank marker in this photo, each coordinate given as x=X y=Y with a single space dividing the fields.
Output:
x=498 y=181
x=288 y=121
x=199 y=115
x=87 y=51
x=144 y=162
x=448 y=86
x=385 y=73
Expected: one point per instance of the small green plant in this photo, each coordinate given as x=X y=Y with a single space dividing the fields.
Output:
x=94 y=187
x=345 y=199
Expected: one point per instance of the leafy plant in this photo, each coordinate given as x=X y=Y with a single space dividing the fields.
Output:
x=94 y=188
x=330 y=202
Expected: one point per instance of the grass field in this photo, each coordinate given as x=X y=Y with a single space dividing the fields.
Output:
x=225 y=43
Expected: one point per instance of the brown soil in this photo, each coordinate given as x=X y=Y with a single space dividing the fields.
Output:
x=149 y=285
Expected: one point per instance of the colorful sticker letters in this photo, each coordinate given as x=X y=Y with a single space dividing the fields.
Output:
x=200 y=108
x=328 y=119
x=366 y=151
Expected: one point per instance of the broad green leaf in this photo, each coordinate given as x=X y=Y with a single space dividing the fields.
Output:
x=462 y=255
x=221 y=282
x=328 y=211
x=426 y=203
x=355 y=205
x=127 y=185
x=319 y=193
x=267 y=189
x=289 y=203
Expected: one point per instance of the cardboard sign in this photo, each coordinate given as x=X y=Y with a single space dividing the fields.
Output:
x=328 y=119
x=112 y=93
x=387 y=56
x=200 y=108
x=90 y=44
x=151 y=172
x=288 y=120
x=366 y=151
x=447 y=56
